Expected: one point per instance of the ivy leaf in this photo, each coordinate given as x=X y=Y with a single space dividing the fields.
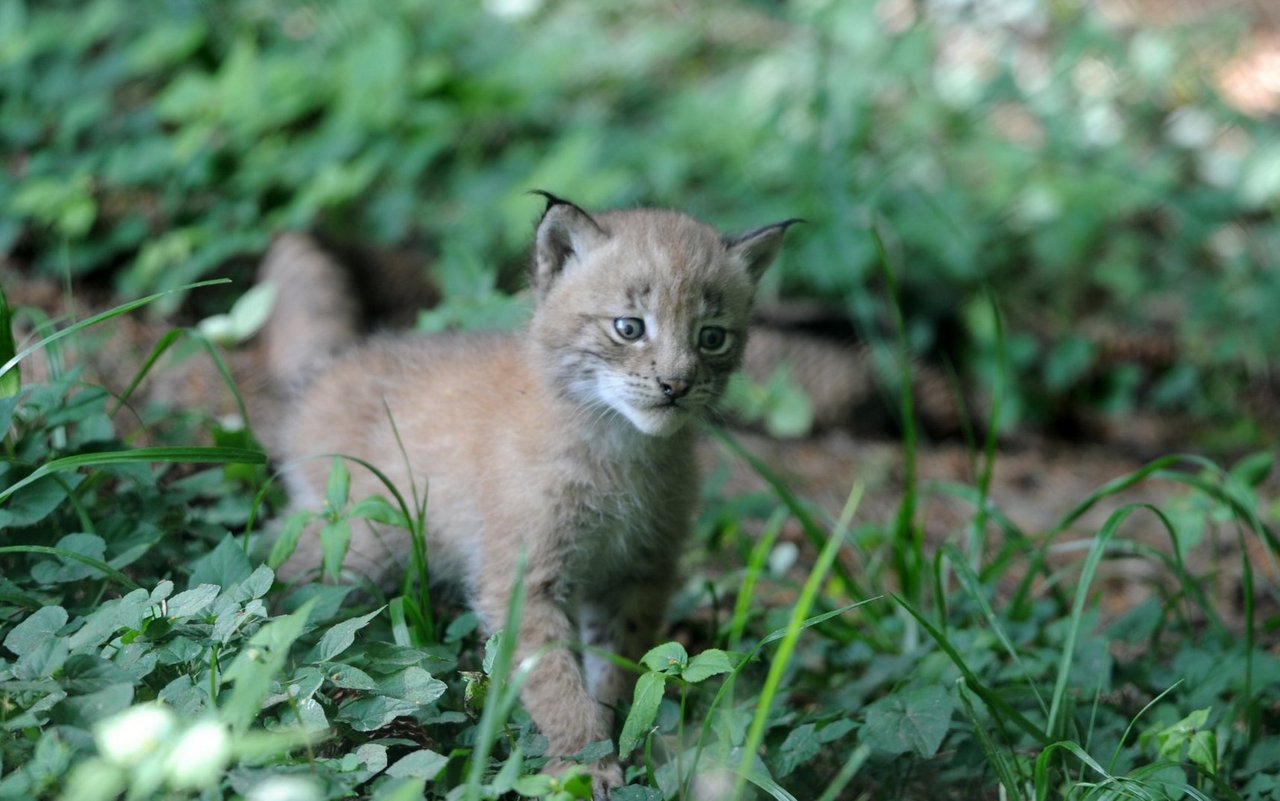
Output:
x=915 y=720
x=644 y=711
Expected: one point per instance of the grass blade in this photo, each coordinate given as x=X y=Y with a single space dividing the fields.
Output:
x=123 y=308
x=186 y=454
x=755 y=735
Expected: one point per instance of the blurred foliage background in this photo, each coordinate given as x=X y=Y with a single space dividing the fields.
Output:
x=1083 y=171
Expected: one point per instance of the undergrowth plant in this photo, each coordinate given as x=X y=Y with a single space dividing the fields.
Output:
x=146 y=651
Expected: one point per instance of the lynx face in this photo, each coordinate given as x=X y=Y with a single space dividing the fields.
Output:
x=644 y=315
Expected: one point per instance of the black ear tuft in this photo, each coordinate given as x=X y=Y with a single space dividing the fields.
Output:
x=758 y=248
x=565 y=233
x=556 y=200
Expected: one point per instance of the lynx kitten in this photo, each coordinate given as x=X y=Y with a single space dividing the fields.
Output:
x=571 y=441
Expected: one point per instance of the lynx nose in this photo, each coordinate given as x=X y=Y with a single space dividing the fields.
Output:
x=674 y=388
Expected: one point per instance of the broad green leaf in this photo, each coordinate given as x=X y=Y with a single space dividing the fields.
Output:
x=340 y=637
x=711 y=662
x=912 y=720
x=67 y=567
x=225 y=565
x=594 y=752
x=413 y=684
x=802 y=744
x=406 y=788
x=379 y=510
x=37 y=500
x=38 y=628
x=424 y=764
x=669 y=657
x=635 y=792
x=644 y=711
x=258 y=664
x=192 y=602
x=369 y=714
x=349 y=677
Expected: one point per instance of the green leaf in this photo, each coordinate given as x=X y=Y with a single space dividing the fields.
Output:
x=349 y=677
x=401 y=789
x=535 y=786
x=287 y=540
x=38 y=628
x=423 y=764
x=913 y=720
x=340 y=637
x=370 y=714
x=225 y=565
x=338 y=488
x=1202 y=751
x=413 y=684
x=711 y=662
x=593 y=752
x=10 y=381
x=67 y=568
x=37 y=500
x=379 y=510
x=335 y=537
x=192 y=602
x=258 y=664
x=669 y=657
x=802 y=744
x=247 y=316
x=1252 y=470
x=644 y=711
x=635 y=792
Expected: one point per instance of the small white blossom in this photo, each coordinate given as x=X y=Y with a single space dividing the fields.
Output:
x=199 y=757
x=129 y=737
x=284 y=788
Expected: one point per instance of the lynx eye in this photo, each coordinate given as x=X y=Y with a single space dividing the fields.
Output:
x=713 y=340
x=629 y=328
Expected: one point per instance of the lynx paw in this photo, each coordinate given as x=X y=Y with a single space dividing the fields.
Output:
x=605 y=775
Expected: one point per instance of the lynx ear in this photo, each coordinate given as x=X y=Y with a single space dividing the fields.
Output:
x=565 y=233
x=757 y=249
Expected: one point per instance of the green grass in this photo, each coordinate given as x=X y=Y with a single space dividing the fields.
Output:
x=973 y=670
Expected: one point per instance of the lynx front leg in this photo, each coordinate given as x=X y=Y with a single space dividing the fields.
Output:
x=627 y=624
x=555 y=693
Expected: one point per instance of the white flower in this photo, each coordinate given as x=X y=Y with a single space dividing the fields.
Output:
x=129 y=737
x=1190 y=128
x=199 y=756
x=284 y=788
x=512 y=9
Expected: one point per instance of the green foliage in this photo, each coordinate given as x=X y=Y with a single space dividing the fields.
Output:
x=1092 y=178
x=145 y=652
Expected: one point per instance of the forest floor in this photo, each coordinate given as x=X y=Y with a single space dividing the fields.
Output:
x=1036 y=479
